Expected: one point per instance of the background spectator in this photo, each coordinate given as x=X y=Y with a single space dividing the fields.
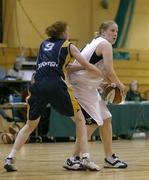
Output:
x=133 y=94
x=15 y=71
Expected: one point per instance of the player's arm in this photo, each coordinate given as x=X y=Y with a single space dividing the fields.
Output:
x=109 y=72
x=77 y=55
x=74 y=67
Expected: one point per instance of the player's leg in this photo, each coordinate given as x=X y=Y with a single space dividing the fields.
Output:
x=111 y=160
x=91 y=124
x=81 y=147
x=106 y=136
x=90 y=129
x=21 y=138
x=35 y=107
x=81 y=144
x=81 y=133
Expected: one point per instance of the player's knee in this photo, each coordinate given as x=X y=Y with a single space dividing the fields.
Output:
x=79 y=117
x=107 y=121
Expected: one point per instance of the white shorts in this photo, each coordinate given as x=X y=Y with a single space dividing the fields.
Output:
x=90 y=100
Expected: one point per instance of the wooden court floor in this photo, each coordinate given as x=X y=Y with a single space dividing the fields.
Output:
x=43 y=161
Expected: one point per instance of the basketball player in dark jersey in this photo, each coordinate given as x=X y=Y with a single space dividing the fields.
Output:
x=50 y=86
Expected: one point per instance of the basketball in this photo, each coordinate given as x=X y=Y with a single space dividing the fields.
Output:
x=7 y=138
x=112 y=94
x=14 y=129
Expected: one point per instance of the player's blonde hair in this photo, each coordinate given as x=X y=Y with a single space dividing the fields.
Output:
x=105 y=25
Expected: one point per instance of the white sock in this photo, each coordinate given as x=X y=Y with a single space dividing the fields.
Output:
x=86 y=155
x=12 y=153
x=111 y=159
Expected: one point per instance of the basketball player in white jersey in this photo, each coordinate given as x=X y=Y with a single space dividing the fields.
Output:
x=98 y=52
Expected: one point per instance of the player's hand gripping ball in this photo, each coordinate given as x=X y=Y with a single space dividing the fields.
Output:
x=112 y=94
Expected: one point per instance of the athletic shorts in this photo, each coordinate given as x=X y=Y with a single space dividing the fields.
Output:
x=53 y=91
x=90 y=100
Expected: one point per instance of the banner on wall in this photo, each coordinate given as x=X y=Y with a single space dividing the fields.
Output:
x=123 y=19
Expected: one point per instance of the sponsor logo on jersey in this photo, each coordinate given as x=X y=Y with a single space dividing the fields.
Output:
x=50 y=64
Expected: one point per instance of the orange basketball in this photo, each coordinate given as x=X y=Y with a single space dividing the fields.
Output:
x=14 y=129
x=112 y=94
x=7 y=138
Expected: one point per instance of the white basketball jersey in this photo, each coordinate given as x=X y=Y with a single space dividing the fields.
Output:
x=82 y=76
x=90 y=48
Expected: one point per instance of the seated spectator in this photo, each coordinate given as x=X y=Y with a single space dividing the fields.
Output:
x=133 y=94
x=15 y=71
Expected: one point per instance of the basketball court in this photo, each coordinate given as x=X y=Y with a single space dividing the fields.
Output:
x=38 y=161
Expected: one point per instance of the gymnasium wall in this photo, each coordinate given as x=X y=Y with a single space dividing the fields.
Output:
x=83 y=16
x=138 y=37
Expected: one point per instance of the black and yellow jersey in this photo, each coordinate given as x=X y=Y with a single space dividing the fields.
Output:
x=50 y=85
x=53 y=57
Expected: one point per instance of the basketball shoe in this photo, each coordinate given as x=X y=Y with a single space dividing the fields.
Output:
x=89 y=165
x=10 y=165
x=80 y=164
x=73 y=163
x=114 y=162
